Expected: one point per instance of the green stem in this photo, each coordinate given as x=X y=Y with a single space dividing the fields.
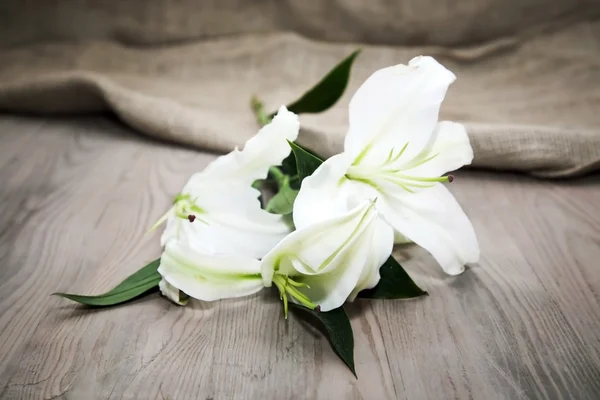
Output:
x=278 y=175
x=259 y=111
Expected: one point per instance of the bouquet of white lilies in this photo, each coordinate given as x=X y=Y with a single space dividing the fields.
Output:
x=326 y=235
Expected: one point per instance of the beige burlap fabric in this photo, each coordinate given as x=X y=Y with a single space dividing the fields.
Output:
x=528 y=85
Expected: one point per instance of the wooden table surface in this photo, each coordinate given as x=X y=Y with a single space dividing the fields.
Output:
x=78 y=194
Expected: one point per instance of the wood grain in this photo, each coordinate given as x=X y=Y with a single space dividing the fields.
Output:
x=78 y=195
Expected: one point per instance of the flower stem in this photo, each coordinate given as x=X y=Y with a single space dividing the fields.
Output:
x=278 y=176
x=259 y=111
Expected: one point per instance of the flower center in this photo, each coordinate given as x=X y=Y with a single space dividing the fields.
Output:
x=391 y=170
x=289 y=287
x=185 y=208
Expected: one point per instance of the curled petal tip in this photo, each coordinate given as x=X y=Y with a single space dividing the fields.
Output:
x=454 y=271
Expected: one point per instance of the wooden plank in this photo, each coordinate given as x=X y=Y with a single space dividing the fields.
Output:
x=79 y=193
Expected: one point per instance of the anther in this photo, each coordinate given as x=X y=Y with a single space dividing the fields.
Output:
x=450 y=178
x=191 y=217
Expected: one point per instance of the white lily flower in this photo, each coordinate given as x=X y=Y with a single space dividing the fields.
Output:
x=331 y=261
x=207 y=277
x=397 y=151
x=218 y=212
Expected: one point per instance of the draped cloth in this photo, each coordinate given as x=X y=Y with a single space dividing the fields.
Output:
x=528 y=87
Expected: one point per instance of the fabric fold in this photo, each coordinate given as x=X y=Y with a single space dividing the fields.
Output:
x=531 y=108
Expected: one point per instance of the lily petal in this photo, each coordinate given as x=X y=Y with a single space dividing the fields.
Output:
x=434 y=220
x=330 y=256
x=232 y=222
x=400 y=238
x=314 y=244
x=448 y=150
x=396 y=108
x=172 y=293
x=208 y=277
x=322 y=194
x=332 y=290
x=383 y=244
x=224 y=211
x=268 y=147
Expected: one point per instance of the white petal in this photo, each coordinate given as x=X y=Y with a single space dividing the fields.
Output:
x=400 y=238
x=435 y=221
x=171 y=292
x=381 y=248
x=232 y=223
x=322 y=194
x=395 y=106
x=331 y=290
x=448 y=150
x=329 y=256
x=208 y=277
x=268 y=147
x=314 y=244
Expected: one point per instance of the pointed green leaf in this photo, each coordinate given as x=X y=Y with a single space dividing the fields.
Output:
x=310 y=161
x=135 y=285
x=395 y=283
x=306 y=162
x=288 y=165
x=283 y=202
x=257 y=184
x=339 y=330
x=328 y=91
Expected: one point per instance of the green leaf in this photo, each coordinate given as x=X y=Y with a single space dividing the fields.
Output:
x=395 y=283
x=288 y=165
x=257 y=184
x=283 y=202
x=339 y=330
x=328 y=91
x=135 y=285
x=306 y=162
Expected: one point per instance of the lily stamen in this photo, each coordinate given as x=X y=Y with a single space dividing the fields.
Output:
x=406 y=182
x=391 y=158
x=186 y=208
x=448 y=178
x=288 y=287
